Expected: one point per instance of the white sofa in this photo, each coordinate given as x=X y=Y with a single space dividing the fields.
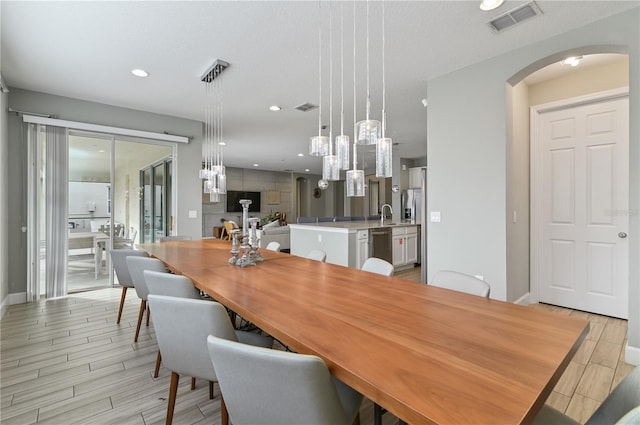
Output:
x=278 y=234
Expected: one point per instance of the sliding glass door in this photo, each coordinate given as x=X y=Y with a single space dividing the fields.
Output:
x=156 y=200
x=85 y=199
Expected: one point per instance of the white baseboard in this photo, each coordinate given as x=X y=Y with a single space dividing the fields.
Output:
x=18 y=298
x=4 y=306
x=632 y=355
x=523 y=300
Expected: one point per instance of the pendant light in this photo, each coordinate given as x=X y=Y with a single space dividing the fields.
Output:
x=354 y=181
x=319 y=145
x=384 y=163
x=330 y=165
x=342 y=141
x=368 y=131
x=213 y=171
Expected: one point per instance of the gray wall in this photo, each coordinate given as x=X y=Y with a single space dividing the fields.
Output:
x=467 y=155
x=189 y=158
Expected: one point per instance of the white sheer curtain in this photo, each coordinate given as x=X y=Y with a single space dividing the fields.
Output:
x=48 y=205
x=57 y=205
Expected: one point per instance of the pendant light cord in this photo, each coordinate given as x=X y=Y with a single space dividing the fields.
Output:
x=355 y=120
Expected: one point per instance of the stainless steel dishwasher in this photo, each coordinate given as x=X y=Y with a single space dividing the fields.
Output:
x=380 y=243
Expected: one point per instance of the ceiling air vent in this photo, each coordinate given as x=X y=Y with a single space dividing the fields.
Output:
x=306 y=107
x=515 y=16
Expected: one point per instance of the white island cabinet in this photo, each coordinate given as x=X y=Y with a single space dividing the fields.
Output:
x=404 y=249
x=347 y=243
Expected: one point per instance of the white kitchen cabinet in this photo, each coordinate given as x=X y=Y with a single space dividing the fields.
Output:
x=415 y=177
x=404 y=251
x=362 y=247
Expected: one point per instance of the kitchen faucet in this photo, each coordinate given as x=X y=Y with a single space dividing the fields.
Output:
x=382 y=213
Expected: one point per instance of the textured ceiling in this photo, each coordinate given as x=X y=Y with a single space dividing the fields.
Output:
x=86 y=50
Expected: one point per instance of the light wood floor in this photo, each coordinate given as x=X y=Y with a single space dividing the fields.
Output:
x=66 y=361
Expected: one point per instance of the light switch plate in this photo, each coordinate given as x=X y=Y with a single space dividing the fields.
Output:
x=193 y=214
x=435 y=216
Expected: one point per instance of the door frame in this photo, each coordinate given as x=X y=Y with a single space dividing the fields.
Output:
x=535 y=235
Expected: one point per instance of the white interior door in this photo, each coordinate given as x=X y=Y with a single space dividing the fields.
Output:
x=584 y=194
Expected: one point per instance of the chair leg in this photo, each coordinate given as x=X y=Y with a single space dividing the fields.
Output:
x=156 y=372
x=148 y=315
x=143 y=307
x=377 y=414
x=356 y=421
x=193 y=384
x=122 y=298
x=210 y=390
x=173 y=390
x=224 y=415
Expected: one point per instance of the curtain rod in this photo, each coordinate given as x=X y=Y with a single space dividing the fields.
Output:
x=31 y=113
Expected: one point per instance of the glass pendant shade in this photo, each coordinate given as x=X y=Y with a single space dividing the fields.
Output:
x=384 y=163
x=222 y=183
x=204 y=173
x=330 y=168
x=208 y=184
x=217 y=170
x=368 y=132
x=214 y=196
x=319 y=146
x=342 y=151
x=355 y=183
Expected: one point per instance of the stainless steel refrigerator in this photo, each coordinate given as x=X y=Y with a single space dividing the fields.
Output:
x=412 y=205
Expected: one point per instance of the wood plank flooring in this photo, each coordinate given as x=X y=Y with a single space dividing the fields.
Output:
x=66 y=361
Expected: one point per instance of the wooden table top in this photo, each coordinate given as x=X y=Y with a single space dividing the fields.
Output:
x=427 y=354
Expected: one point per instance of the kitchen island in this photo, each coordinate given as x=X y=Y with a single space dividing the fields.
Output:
x=350 y=243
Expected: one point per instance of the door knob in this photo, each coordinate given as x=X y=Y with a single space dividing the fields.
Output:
x=622 y=235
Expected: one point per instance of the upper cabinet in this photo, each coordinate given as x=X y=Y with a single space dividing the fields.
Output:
x=415 y=177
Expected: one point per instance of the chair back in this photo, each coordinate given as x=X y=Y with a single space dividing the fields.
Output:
x=317 y=255
x=118 y=259
x=137 y=266
x=306 y=392
x=461 y=282
x=273 y=246
x=622 y=405
x=378 y=265
x=171 y=285
x=174 y=238
x=182 y=326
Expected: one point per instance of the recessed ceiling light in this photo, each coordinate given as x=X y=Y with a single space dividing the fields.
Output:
x=101 y=151
x=300 y=154
x=274 y=108
x=573 y=60
x=487 y=5
x=222 y=143
x=139 y=72
x=307 y=170
x=255 y=165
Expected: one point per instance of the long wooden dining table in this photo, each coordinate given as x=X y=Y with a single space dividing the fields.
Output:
x=426 y=354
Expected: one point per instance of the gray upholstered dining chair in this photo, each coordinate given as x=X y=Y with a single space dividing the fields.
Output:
x=273 y=246
x=182 y=326
x=306 y=392
x=378 y=265
x=175 y=238
x=118 y=258
x=621 y=407
x=137 y=266
x=172 y=285
x=461 y=282
x=317 y=255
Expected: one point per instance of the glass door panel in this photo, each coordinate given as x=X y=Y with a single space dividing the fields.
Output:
x=158 y=202
x=89 y=213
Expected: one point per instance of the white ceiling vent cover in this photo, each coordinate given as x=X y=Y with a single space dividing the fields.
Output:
x=306 y=107
x=515 y=16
